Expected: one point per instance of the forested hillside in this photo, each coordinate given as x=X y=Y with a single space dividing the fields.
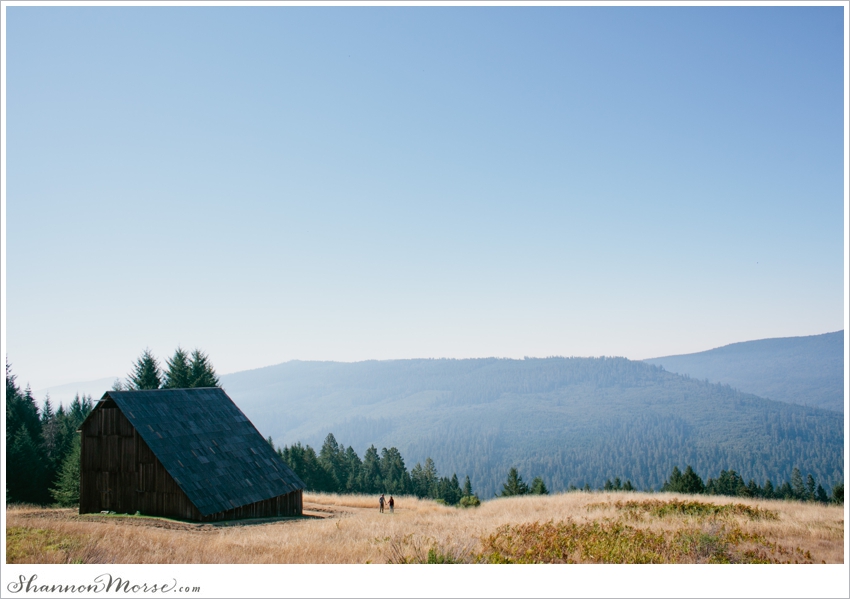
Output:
x=808 y=371
x=570 y=420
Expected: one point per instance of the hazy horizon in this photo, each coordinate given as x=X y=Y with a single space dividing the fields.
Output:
x=65 y=392
x=350 y=183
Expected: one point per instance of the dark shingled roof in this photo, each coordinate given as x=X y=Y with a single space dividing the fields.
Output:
x=208 y=446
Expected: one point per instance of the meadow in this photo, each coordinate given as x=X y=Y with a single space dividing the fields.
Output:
x=577 y=527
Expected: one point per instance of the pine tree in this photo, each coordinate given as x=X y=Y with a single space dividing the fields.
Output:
x=538 y=487
x=67 y=490
x=146 y=373
x=393 y=472
x=202 y=373
x=329 y=459
x=838 y=493
x=810 y=488
x=820 y=495
x=797 y=485
x=426 y=483
x=514 y=485
x=354 y=467
x=691 y=482
x=21 y=409
x=467 y=487
x=25 y=470
x=370 y=472
x=178 y=372
x=674 y=483
x=79 y=409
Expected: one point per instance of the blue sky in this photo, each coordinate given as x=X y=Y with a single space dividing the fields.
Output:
x=361 y=183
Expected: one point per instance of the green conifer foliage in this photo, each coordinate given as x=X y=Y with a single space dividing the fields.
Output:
x=467 y=487
x=514 y=485
x=202 y=373
x=146 y=373
x=67 y=490
x=178 y=373
x=797 y=485
x=838 y=493
x=25 y=470
x=691 y=482
x=810 y=488
x=538 y=487
x=370 y=472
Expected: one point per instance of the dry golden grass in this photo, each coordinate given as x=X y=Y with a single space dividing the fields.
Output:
x=349 y=529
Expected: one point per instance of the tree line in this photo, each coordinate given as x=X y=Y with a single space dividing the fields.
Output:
x=42 y=447
x=181 y=371
x=338 y=469
x=731 y=483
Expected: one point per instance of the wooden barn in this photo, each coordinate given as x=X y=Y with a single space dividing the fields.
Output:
x=189 y=454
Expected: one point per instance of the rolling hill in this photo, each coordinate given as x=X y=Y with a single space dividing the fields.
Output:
x=570 y=420
x=807 y=371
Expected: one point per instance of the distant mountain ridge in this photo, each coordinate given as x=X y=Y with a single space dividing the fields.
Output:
x=801 y=370
x=570 y=420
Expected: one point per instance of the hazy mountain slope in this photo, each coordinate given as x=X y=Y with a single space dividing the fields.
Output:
x=64 y=394
x=570 y=420
x=802 y=370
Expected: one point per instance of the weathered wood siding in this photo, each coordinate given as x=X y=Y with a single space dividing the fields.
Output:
x=119 y=473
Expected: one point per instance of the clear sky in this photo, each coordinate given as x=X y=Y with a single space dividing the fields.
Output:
x=284 y=183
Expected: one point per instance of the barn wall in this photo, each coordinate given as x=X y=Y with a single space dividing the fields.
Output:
x=119 y=473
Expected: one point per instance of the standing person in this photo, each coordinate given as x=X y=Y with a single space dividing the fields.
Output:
x=381 y=503
x=392 y=504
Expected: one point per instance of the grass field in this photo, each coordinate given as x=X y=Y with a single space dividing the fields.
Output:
x=567 y=528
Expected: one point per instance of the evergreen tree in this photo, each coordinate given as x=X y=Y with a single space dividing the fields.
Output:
x=370 y=472
x=820 y=495
x=329 y=458
x=202 y=373
x=393 y=472
x=146 y=373
x=691 y=482
x=514 y=485
x=838 y=493
x=55 y=439
x=354 y=467
x=21 y=409
x=25 y=470
x=67 y=490
x=628 y=486
x=178 y=373
x=810 y=488
x=454 y=492
x=467 y=487
x=538 y=487
x=768 y=492
x=79 y=410
x=674 y=483
x=423 y=479
x=305 y=463
x=797 y=485
x=46 y=411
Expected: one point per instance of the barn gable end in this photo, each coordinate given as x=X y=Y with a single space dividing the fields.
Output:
x=181 y=453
